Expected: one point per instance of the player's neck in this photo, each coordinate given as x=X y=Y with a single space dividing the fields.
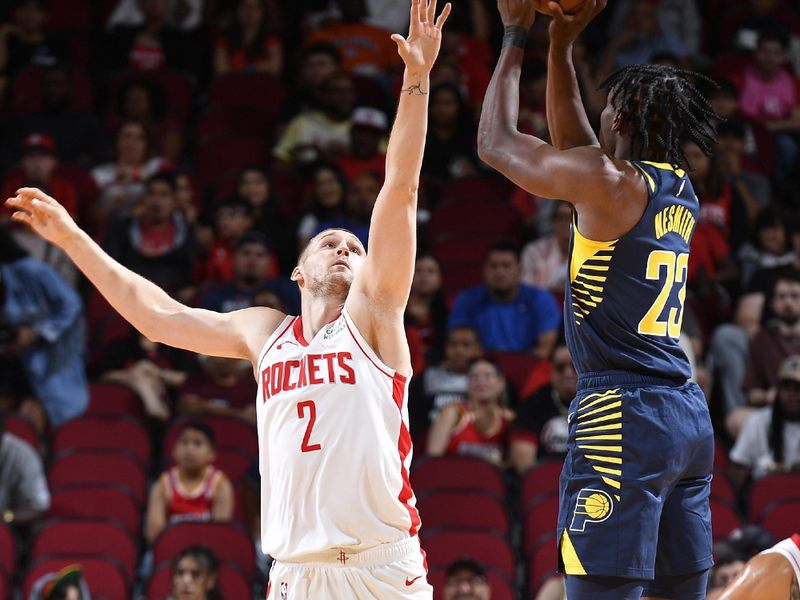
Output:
x=318 y=312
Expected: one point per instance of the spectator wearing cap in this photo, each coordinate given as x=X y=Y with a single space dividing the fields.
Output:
x=24 y=495
x=770 y=438
x=466 y=580
x=731 y=554
x=66 y=584
x=251 y=266
x=367 y=143
x=38 y=168
x=157 y=242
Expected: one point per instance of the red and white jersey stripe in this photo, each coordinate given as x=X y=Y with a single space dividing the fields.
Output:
x=334 y=444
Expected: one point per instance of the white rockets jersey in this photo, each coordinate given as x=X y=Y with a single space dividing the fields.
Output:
x=334 y=446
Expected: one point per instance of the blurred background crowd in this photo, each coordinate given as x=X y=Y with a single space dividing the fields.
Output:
x=202 y=143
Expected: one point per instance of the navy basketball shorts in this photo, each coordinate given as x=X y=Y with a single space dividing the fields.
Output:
x=636 y=481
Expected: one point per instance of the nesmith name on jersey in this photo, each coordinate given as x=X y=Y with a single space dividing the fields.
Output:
x=674 y=218
x=311 y=369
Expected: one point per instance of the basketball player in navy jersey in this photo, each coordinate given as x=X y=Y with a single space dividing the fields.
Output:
x=338 y=513
x=634 y=517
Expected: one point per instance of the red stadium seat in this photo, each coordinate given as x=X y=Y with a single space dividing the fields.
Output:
x=769 y=489
x=87 y=537
x=724 y=519
x=218 y=157
x=104 y=576
x=474 y=217
x=221 y=122
x=443 y=546
x=722 y=489
x=466 y=510
x=104 y=433
x=541 y=479
x=21 y=427
x=112 y=399
x=463 y=248
x=26 y=91
x=517 y=367
x=540 y=521
x=98 y=502
x=104 y=467
x=5 y=583
x=543 y=564
x=229 y=541
x=234 y=90
x=233 y=582
x=721 y=461
x=229 y=433
x=69 y=16
x=8 y=549
x=488 y=190
x=457 y=277
x=500 y=586
x=782 y=518
x=456 y=473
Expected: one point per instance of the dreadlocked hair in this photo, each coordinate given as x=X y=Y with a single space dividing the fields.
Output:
x=659 y=108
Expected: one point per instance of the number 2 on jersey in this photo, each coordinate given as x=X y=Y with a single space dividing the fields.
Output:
x=312 y=418
x=676 y=267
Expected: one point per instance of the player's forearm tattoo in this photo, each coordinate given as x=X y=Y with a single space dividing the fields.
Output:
x=513 y=35
x=415 y=88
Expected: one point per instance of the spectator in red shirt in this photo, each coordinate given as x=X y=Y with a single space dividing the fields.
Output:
x=193 y=489
x=37 y=168
x=233 y=219
x=367 y=144
x=223 y=387
x=479 y=426
x=250 y=44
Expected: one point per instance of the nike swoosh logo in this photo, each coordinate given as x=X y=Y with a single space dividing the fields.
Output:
x=411 y=582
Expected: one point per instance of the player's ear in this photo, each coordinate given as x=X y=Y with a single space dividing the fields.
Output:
x=297 y=275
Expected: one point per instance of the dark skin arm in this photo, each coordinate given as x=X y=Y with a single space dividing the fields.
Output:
x=608 y=193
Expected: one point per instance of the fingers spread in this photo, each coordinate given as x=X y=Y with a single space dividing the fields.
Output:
x=443 y=17
x=431 y=16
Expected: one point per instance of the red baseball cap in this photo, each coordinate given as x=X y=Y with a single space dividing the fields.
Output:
x=39 y=141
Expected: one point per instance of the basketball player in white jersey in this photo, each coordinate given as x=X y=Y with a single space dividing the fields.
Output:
x=338 y=513
x=774 y=574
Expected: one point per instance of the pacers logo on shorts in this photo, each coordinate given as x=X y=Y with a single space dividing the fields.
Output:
x=592 y=506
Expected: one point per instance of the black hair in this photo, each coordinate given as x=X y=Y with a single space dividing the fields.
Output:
x=198 y=426
x=472 y=329
x=790 y=274
x=770 y=216
x=724 y=88
x=774 y=35
x=10 y=250
x=324 y=48
x=503 y=246
x=154 y=91
x=465 y=564
x=235 y=202
x=464 y=121
x=207 y=560
x=235 y=35
x=167 y=177
x=734 y=127
x=323 y=213
x=660 y=107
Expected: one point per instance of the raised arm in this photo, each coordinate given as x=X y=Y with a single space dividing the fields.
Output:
x=566 y=117
x=389 y=267
x=144 y=305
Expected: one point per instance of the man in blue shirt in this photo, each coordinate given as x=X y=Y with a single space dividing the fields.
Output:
x=509 y=315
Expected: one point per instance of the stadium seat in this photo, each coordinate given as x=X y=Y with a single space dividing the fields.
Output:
x=104 y=433
x=88 y=537
x=99 y=467
x=543 y=564
x=443 y=546
x=5 y=583
x=768 y=489
x=540 y=521
x=485 y=189
x=21 y=427
x=517 y=367
x=218 y=157
x=176 y=87
x=112 y=399
x=104 y=576
x=238 y=89
x=498 y=583
x=456 y=473
x=721 y=461
x=782 y=518
x=73 y=16
x=233 y=582
x=466 y=510
x=26 y=91
x=220 y=122
x=541 y=479
x=474 y=217
x=229 y=432
x=8 y=549
x=463 y=248
x=98 y=502
x=721 y=488
x=724 y=519
x=229 y=541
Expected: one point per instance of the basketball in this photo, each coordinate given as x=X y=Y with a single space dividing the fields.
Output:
x=570 y=7
x=596 y=506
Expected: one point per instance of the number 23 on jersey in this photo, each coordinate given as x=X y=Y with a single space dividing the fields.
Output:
x=673 y=269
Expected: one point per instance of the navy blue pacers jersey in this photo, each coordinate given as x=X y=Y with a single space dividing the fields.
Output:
x=624 y=298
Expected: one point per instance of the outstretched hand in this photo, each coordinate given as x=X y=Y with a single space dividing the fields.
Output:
x=420 y=49
x=43 y=214
x=564 y=28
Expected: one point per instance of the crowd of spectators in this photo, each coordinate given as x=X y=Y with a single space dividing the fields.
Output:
x=202 y=143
